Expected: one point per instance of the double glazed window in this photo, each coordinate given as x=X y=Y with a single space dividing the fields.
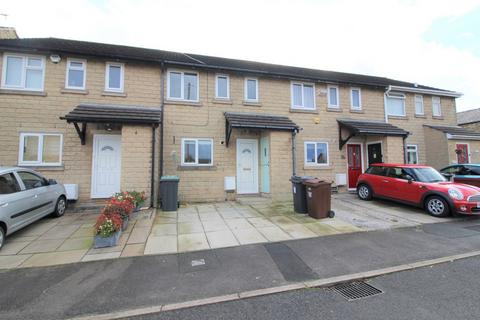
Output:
x=23 y=72
x=76 y=74
x=183 y=86
x=43 y=149
x=316 y=153
x=419 y=109
x=303 y=96
x=333 y=98
x=114 y=77
x=251 y=89
x=436 y=107
x=395 y=104
x=222 y=87
x=197 y=152
x=356 y=98
x=412 y=154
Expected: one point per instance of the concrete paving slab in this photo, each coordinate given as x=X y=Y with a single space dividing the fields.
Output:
x=39 y=246
x=36 y=229
x=249 y=236
x=298 y=231
x=138 y=235
x=16 y=237
x=274 y=233
x=220 y=239
x=101 y=256
x=15 y=247
x=59 y=232
x=160 y=220
x=83 y=232
x=261 y=222
x=192 y=242
x=210 y=216
x=164 y=229
x=238 y=224
x=214 y=225
x=321 y=229
x=13 y=261
x=77 y=244
x=132 y=250
x=54 y=258
x=161 y=245
x=190 y=227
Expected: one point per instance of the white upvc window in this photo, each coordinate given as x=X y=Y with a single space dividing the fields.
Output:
x=40 y=149
x=356 y=98
x=303 y=95
x=222 y=86
x=251 y=89
x=395 y=104
x=197 y=152
x=183 y=85
x=436 y=107
x=316 y=153
x=333 y=97
x=412 y=154
x=114 y=77
x=23 y=72
x=419 y=109
x=76 y=74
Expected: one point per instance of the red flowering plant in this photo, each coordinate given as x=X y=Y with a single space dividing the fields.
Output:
x=121 y=206
x=139 y=197
x=107 y=225
x=125 y=196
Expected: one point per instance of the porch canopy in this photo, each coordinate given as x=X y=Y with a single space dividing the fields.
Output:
x=367 y=128
x=456 y=132
x=257 y=121
x=111 y=114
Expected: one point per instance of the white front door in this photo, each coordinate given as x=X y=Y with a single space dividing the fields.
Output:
x=247 y=166
x=106 y=166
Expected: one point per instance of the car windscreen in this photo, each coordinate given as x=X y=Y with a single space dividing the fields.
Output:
x=428 y=175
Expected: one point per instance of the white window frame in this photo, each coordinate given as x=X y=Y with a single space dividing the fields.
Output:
x=84 y=69
x=107 y=76
x=316 y=156
x=359 y=107
x=395 y=95
x=332 y=106
x=216 y=86
x=246 y=89
x=39 y=151
x=420 y=99
x=439 y=106
x=415 y=147
x=24 y=58
x=182 y=85
x=302 y=106
x=196 y=152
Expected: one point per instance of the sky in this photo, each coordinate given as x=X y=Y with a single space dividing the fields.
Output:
x=435 y=43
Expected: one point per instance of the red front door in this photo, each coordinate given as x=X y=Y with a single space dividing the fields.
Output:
x=462 y=153
x=354 y=156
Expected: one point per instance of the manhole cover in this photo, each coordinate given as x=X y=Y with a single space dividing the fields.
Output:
x=356 y=290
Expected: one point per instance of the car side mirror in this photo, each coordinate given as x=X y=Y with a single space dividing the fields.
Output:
x=448 y=176
x=409 y=178
x=52 y=181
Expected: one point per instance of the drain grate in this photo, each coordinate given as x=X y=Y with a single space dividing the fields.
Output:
x=356 y=290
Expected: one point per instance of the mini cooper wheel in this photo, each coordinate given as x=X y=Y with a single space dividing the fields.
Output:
x=364 y=192
x=437 y=206
x=60 y=207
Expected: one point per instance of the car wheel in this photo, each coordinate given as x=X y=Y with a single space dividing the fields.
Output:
x=437 y=206
x=2 y=237
x=364 y=192
x=60 y=207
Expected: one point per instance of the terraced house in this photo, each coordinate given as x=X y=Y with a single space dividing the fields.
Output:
x=108 y=117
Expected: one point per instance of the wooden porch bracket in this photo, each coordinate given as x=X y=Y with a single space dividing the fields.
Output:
x=81 y=133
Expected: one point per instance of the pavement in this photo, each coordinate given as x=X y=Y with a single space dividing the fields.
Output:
x=99 y=287
x=446 y=291
x=197 y=227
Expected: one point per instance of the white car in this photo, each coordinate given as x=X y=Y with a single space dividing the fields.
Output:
x=25 y=197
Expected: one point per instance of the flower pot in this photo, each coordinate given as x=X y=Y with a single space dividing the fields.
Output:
x=102 y=242
x=138 y=205
x=125 y=224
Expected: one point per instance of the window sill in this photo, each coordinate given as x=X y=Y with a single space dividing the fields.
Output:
x=74 y=91
x=252 y=103
x=222 y=101
x=438 y=118
x=42 y=168
x=184 y=103
x=398 y=117
x=114 y=94
x=357 y=111
x=314 y=167
x=23 y=92
x=197 y=168
x=420 y=116
x=330 y=109
x=294 y=110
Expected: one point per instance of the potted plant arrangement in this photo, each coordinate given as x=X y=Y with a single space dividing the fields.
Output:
x=140 y=198
x=120 y=208
x=108 y=229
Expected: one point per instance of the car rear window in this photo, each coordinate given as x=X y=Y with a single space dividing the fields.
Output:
x=473 y=170
x=8 y=184
x=376 y=170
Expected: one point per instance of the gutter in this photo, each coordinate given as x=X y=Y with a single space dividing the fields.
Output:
x=433 y=92
x=461 y=137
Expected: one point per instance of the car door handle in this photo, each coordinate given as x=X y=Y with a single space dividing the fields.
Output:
x=35 y=196
x=3 y=205
x=385 y=180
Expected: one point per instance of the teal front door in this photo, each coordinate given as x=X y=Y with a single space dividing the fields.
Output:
x=265 y=165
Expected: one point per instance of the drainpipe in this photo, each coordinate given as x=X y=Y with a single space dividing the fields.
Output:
x=404 y=150
x=294 y=149
x=152 y=176
x=162 y=106
x=389 y=88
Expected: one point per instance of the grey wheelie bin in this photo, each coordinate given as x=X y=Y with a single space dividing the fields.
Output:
x=169 y=193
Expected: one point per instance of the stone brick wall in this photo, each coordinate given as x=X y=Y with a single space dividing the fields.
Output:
x=436 y=148
x=472 y=126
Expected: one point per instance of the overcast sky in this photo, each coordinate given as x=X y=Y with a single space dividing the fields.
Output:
x=434 y=43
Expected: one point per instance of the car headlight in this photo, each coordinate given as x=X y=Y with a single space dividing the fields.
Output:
x=455 y=194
